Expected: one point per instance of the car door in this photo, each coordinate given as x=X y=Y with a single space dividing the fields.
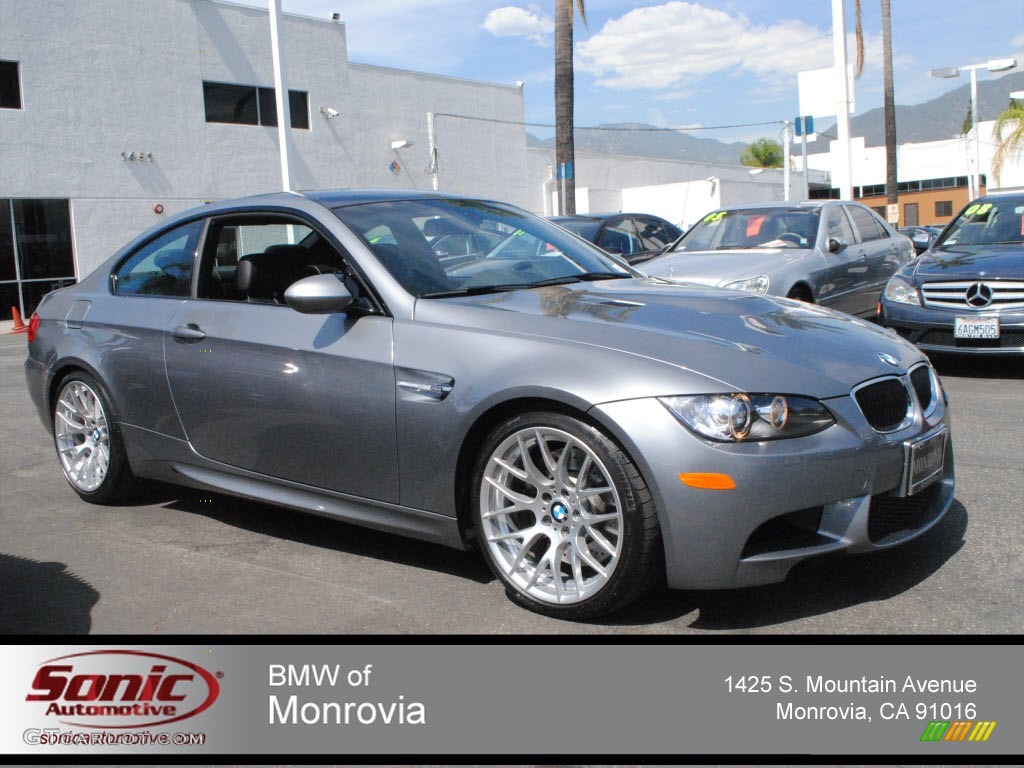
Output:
x=879 y=252
x=261 y=387
x=843 y=255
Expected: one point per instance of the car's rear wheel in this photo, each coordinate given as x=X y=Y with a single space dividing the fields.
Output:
x=88 y=441
x=564 y=518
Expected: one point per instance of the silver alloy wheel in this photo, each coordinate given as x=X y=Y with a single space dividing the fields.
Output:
x=83 y=439
x=551 y=516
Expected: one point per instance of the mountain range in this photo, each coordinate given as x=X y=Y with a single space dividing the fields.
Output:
x=935 y=120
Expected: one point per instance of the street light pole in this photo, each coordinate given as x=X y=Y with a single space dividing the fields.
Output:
x=976 y=176
x=994 y=65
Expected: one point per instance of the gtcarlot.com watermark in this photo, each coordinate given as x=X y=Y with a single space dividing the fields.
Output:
x=57 y=737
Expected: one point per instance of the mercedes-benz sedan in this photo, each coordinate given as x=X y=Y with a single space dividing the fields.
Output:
x=831 y=252
x=965 y=295
x=593 y=431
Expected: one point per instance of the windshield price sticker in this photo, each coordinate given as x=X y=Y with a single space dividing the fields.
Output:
x=976 y=328
x=877 y=699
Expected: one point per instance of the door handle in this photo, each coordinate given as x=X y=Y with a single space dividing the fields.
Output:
x=190 y=332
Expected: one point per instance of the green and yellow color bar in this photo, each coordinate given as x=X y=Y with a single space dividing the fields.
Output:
x=959 y=730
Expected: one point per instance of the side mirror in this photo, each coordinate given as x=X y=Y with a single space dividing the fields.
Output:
x=835 y=246
x=318 y=295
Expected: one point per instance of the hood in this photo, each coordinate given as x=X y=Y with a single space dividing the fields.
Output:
x=746 y=341
x=969 y=262
x=721 y=267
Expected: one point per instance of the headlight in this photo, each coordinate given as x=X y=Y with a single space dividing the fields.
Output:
x=900 y=291
x=756 y=284
x=743 y=417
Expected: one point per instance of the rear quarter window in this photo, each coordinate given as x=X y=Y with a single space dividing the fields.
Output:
x=161 y=267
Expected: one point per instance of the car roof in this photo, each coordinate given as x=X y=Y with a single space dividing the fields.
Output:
x=600 y=216
x=333 y=198
x=790 y=204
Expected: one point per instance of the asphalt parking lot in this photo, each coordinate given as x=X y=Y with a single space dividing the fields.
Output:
x=182 y=561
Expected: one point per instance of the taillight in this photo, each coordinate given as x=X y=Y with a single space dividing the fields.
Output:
x=33 y=327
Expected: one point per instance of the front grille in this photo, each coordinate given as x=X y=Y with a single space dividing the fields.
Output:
x=1006 y=294
x=885 y=404
x=895 y=515
x=1008 y=339
x=921 y=379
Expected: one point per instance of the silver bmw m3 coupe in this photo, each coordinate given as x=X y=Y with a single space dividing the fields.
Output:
x=592 y=430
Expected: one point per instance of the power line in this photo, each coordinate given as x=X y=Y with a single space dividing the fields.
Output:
x=648 y=129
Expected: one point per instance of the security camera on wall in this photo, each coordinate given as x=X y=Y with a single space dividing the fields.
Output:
x=329 y=112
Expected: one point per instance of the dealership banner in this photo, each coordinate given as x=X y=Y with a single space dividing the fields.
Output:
x=542 y=696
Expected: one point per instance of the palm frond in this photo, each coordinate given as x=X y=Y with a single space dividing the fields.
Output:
x=1008 y=131
x=582 y=5
x=859 y=36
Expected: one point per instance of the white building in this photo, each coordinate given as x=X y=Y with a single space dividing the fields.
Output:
x=116 y=113
x=933 y=176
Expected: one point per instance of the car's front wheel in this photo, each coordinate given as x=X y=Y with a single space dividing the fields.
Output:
x=564 y=518
x=88 y=441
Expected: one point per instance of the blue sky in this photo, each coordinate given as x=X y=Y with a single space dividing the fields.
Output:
x=675 y=64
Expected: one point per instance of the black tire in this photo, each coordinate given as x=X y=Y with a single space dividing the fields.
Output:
x=800 y=293
x=87 y=436
x=568 y=554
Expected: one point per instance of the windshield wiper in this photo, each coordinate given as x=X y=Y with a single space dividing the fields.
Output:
x=475 y=290
x=588 y=277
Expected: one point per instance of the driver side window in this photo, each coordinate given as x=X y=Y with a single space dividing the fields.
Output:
x=256 y=258
x=839 y=225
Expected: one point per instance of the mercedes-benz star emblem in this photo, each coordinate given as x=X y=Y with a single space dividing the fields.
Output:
x=888 y=359
x=979 y=295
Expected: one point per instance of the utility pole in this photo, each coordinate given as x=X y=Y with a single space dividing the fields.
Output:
x=843 y=165
x=284 y=117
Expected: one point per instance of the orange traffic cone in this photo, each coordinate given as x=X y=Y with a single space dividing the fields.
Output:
x=19 y=324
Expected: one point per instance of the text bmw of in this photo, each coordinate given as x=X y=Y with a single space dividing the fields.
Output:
x=594 y=431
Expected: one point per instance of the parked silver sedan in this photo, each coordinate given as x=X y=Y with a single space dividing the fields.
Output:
x=592 y=430
x=831 y=252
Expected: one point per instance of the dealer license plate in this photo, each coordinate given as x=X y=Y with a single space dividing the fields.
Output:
x=976 y=328
x=923 y=463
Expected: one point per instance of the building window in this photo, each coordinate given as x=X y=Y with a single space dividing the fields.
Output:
x=36 y=256
x=251 y=105
x=943 y=207
x=10 y=85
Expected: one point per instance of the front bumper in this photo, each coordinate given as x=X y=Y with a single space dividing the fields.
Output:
x=836 y=491
x=931 y=329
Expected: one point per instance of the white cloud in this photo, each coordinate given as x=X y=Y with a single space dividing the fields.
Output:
x=676 y=43
x=511 y=21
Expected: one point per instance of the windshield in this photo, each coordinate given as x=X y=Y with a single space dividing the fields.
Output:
x=752 y=228
x=987 y=222
x=437 y=247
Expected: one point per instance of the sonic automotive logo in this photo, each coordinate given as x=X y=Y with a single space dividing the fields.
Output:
x=122 y=689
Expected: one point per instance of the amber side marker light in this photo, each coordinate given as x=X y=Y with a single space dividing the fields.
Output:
x=710 y=481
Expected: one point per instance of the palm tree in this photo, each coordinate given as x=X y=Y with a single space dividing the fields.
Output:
x=763 y=153
x=1009 y=132
x=565 y=145
x=888 y=97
